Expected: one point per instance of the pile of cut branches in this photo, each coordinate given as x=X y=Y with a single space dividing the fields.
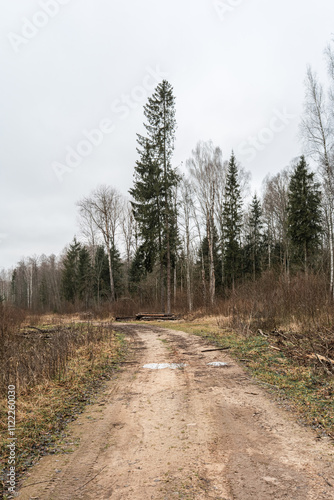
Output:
x=314 y=348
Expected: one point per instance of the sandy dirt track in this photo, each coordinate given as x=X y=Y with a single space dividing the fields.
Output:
x=200 y=432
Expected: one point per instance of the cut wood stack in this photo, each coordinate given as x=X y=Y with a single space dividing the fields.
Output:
x=155 y=317
x=148 y=317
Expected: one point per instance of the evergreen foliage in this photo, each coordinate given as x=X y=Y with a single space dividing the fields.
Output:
x=117 y=268
x=304 y=215
x=154 y=185
x=254 y=244
x=85 y=276
x=102 y=276
x=70 y=272
x=232 y=222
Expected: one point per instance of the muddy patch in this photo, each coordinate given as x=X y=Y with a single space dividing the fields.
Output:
x=162 y=366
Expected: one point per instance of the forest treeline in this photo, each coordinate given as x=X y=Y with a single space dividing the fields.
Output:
x=186 y=240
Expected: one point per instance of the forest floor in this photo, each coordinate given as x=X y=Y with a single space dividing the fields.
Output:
x=196 y=431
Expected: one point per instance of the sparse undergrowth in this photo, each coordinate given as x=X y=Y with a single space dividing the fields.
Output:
x=44 y=409
x=299 y=382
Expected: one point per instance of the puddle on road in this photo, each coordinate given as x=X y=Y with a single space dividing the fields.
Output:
x=161 y=366
x=217 y=363
x=175 y=366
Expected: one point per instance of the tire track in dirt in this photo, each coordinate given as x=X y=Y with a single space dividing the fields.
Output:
x=201 y=432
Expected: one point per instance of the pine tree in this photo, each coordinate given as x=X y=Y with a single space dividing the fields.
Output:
x=69 y=280
x=117 y=268
x=254 y=238
x=155 y=182
x=102 y=274
x=204 y=251
x=304 y=216
x=147 y=205
x=138 y=267
x=232 y=217
x=85 y=276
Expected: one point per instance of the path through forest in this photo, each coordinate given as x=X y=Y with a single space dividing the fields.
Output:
x=192 y=432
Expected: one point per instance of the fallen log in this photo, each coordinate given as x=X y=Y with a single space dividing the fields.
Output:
x=217 y=349
x=319 y=357
x=154 y=316
x=273 y=347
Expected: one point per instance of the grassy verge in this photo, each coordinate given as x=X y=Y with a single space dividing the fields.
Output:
x=302 y=385
x=43 y=410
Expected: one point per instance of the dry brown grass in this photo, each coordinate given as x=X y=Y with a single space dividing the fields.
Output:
x=30 y=354
x=300 y=302
x=56 y=368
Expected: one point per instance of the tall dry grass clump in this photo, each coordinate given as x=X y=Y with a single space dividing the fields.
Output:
x=30 y=355
x=273 y=302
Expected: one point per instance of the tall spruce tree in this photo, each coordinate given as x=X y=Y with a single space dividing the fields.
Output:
x=102 y=275
x=85 y=279
x=147 y=205
x=69 y=281
x=304 y=215
x=154 y=185
x=117 y=271
x=254 y=238
x=232 y=219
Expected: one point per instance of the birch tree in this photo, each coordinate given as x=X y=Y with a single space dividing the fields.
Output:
x=317 y=133
x=205 y=168
x=275 y=204
x=186 y=202
x=103 y=209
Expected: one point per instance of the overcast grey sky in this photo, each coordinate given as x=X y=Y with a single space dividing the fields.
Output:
x=76 y=74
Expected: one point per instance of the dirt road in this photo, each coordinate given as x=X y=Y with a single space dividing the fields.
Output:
x=197 y=432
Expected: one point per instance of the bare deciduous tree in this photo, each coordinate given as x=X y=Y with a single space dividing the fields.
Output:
x=205 y=168
x=186 y=202
x=275 y=203
x=317 y=133
x=128 y=230
x=103 y=210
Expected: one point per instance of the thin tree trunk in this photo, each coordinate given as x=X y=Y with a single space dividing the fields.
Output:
x=181 y=280
x=269 y=255
x=168 y=269
x=189 y=298
x=331 y=252
x=212 y=280
x=223 y=257
x=112 y=286
x=175 y=286
x=203 y=278
x=254 y=266
x=162 y=287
